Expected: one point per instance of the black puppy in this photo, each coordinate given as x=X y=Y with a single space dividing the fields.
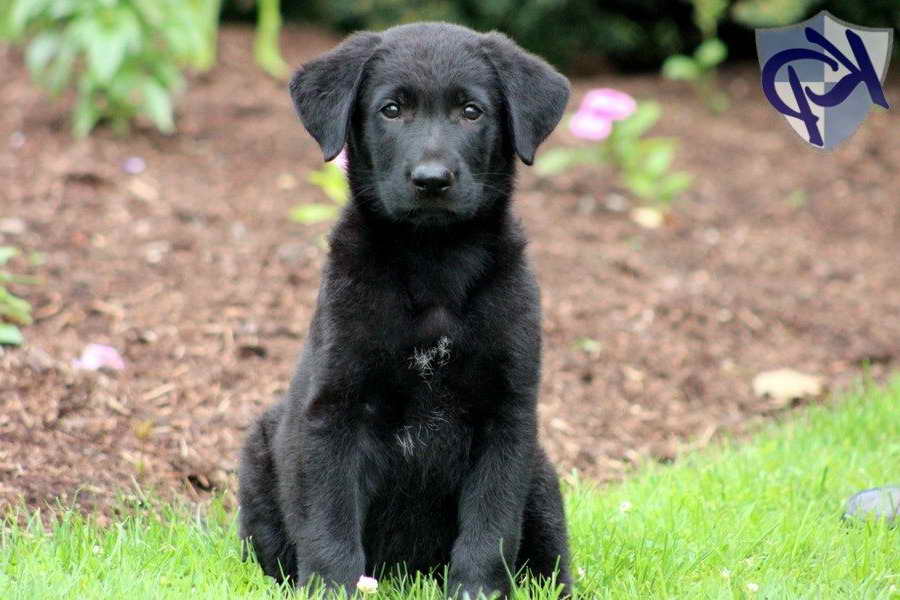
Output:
x=409 y=433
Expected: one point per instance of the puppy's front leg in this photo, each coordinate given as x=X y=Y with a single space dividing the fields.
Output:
x=491 y=510
x=324 y=505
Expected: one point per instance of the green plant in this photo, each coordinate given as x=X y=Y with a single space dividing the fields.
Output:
x=265 y=46
x=771 y=13
x=126 y=55
x=209 y=12
x=14 y=311
x=699 y=69
x=332 y=180
x=643 y=163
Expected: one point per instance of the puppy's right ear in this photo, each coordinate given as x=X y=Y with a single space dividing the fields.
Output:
x=324 y=90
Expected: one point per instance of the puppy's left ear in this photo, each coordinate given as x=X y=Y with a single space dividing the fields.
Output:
x=324 y=90
x=535 y=93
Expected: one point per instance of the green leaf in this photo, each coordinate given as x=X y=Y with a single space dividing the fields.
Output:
x=642 y=119
x=153 y=11
x=658 y=154
x=158 y=105
x=40 y=51
x=265 y=45
x=680 y=68
x=557 y=160
x=312 y=213
x=333 y=181
x=85 y=114
x=57 y=74
x=6 y=253
x=60 y=9
x=22 y=12
x=589 y=345
x=106 y=51
x=770 y=13
x=641 y=184
x=14 y=308
x=710 y=53
x=11 y=335
x=553 y=162
x=675 y=183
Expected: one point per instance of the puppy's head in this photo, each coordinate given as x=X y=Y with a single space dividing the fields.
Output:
x=432 y=114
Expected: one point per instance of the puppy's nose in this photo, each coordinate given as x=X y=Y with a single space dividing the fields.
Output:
x=432 y=178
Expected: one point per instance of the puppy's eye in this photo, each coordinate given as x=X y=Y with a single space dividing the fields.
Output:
x=472 y=112
x=391 y=111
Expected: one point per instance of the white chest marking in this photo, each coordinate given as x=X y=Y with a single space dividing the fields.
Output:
x=427 y=360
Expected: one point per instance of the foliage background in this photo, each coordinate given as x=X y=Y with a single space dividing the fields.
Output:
x=632 y=34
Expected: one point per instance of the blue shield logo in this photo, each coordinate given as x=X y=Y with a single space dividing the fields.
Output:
x=823 y=75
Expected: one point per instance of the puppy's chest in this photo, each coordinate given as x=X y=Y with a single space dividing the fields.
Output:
x=428 y=412
x=427 y=415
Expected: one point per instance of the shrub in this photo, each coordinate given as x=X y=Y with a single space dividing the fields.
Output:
x=618 y=123
x=633 y=33
x=699 y=69
x=125 y=55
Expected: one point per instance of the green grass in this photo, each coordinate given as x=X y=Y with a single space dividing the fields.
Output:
x=754 y=520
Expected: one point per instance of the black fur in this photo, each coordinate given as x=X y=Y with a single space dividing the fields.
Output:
x=409 y=436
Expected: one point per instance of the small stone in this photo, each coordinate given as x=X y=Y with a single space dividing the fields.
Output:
x=286 y=181
x=238 y=231
x=143 y=190
x=875 y=503
x=647 y=217
x=154 y=252
x=12 y=226
x=785 y=385
x=616 y=202
x=16 y=140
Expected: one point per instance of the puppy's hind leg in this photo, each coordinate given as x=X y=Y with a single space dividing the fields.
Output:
x=260 y=520
x=544 y=547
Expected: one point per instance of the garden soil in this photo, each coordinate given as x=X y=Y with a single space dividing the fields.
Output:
x=779 y=256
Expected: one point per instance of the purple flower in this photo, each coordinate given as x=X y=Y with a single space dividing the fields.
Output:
x=98 y=356
x=134 y=165
x=598 y=110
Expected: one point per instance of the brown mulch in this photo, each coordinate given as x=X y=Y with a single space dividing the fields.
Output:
x=780 y=256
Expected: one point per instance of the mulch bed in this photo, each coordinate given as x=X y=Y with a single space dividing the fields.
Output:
x=780 y=256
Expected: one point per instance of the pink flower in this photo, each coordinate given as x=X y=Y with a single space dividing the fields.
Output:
x=608 y=103
x=98 y=356
x=598 y=110
x=589 y=127
x=341 y=159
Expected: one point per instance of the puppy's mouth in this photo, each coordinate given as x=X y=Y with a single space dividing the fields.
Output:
x=432 y=215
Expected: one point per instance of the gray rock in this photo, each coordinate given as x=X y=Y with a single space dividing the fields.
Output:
x=875 y=503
